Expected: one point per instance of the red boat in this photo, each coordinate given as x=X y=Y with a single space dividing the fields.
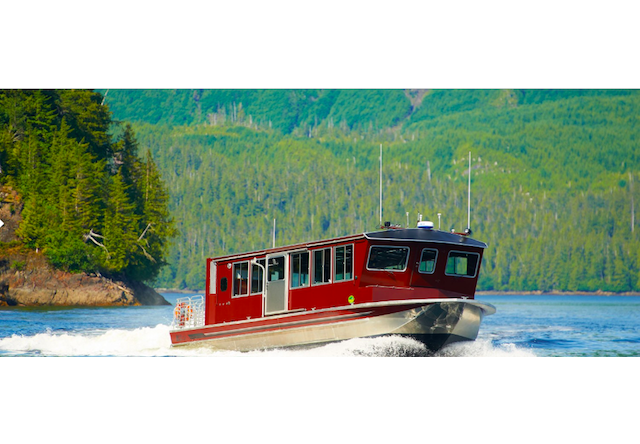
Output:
x=414 y=282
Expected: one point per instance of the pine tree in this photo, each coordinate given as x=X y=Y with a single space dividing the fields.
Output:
x=59 y=180
x=89 y=119
x=120 y=226
x=157 y=225
x=620 y=278
x=125 y=160
x=73 y=192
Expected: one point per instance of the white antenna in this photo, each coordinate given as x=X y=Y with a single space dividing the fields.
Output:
x=380 y=184
x=274 y=233
x=104 y=97
x=469 y=196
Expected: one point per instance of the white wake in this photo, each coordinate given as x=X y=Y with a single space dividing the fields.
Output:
x=154 y=341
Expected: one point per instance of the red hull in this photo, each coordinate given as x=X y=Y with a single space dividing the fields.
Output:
x=286 y=321
x=434 y=322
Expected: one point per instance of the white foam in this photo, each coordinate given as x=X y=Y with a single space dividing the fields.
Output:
x=155 y=341
x=382 y=346
x=146 y=341
x=484 y=348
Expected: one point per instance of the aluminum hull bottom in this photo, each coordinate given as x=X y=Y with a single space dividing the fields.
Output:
x=435 y=324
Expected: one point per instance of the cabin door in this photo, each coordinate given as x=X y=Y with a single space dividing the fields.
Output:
x=276 y=294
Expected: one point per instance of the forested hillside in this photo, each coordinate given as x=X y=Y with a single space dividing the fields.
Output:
x=89 y=200
x=554 y=174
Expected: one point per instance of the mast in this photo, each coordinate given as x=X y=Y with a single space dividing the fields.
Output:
x=633 y=216
x=380 y=184
x=469 y=196
x=104 y=97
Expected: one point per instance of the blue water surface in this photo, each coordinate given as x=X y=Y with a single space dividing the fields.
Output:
x=566 y=325
x=524 y=325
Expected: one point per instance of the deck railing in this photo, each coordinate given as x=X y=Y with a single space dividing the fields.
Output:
x=188 y=313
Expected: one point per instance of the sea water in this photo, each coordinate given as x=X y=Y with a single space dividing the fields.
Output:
x=523 y=326
x=567 y=325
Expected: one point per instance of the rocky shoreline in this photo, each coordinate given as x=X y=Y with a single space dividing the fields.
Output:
x=26 y=279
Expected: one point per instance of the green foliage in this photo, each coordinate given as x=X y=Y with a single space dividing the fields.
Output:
x=85 y=190
x=18 y=265
x=287 y=111
x=68 y=252
x=120 y=224
x=552 y=178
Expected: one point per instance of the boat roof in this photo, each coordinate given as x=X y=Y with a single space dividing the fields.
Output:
x=402 y=234
x=288 y=248
x=425 y=235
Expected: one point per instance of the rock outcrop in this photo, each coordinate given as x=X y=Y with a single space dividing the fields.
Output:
x=26 y=279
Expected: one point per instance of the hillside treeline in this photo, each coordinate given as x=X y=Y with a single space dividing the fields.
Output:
x=91 y=202
x=554 y=174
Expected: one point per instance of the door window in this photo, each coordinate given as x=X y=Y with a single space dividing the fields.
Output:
x=241 y=279
x=276 y=269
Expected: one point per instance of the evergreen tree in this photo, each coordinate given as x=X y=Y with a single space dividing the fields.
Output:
x=60 y=178
x=125 y=160
x=88 y=118
x=157 y=225
x=120 y=227
x=73 y=192
x=87 y=190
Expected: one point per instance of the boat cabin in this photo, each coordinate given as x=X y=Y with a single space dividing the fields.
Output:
x=394 y=264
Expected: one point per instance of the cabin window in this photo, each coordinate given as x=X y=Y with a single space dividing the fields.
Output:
x=299 y=269
x=428 y=261
x=241 y=279
x=257 y=277
x=344 y=262
x=223 y=284
x=462 y=264
x=322 y=266
x=276 y=268
x=388 y=258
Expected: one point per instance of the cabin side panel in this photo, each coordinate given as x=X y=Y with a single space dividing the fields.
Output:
x=334 y=273
x=422 y=265
x=445 y=270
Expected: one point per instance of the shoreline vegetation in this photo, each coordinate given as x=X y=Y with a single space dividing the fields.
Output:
x=84 y=213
